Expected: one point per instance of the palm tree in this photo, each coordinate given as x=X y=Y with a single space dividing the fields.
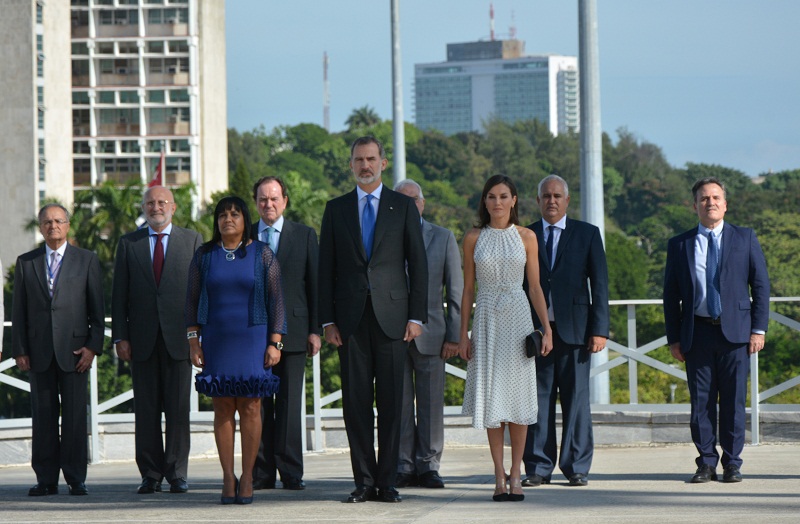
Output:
x=361 y=118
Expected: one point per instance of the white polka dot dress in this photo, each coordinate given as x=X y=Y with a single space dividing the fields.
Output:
x=501 y=380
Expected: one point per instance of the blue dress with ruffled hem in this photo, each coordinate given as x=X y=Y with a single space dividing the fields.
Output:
x=233 y=348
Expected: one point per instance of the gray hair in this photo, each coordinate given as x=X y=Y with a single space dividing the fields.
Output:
x=550 y=178
x=408 y=182
x=48 y=206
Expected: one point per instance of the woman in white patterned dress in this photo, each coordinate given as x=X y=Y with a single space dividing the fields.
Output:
x=501 y=380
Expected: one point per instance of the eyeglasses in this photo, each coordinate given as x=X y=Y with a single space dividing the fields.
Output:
x=151 y=204
x=55 y=222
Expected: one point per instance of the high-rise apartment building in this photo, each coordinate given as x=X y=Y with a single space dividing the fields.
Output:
x=494 y=79
x=95 y=90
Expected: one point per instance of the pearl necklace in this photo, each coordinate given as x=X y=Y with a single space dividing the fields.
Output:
x=230 y=253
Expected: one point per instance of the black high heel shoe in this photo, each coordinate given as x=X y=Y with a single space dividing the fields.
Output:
x=500 y=490
x=231 y=500
x=515 y=482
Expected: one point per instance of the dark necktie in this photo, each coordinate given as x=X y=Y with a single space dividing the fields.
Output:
x=55 y=266
x=158 y=258
x=549 y=245
x=268 y=237
x=368 y=226
x=712 y=278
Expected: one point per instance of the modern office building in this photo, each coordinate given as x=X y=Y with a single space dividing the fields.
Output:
x=95 y=90
x=495 y=79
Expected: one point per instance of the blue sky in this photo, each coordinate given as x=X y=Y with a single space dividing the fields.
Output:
x=712 y=81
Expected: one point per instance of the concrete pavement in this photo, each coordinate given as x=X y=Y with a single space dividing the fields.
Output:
x=627 y=484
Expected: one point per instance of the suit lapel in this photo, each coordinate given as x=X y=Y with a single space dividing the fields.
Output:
x=688 y=246
x=351 y=223
x=427 y=234
x=728 y=245
x=285 y=244
x=386 y=206
x=566 y=235
x=141 y=252
x=544 y=264
x=40 y=270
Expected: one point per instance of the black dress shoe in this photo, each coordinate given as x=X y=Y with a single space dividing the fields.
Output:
x=406 y=480
x=149 y=486
x=178 y=485
x=263 y=484
x=532 y=481
x=431 y=480
x=362 y=494
x=705 y=473
x=578 y=479
x=731 y=473
x=389 y=495
x=40 y=490
x=294 y=484
x=78 y=488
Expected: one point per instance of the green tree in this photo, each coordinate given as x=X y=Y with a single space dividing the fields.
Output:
x=361 y=118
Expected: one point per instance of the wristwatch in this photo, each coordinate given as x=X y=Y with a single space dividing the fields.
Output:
x=278 y=345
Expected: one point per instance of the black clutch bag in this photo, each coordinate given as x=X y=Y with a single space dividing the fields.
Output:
x=533 y=344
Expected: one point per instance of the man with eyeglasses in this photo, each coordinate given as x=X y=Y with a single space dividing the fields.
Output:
x=58 y=330
x=147 y=303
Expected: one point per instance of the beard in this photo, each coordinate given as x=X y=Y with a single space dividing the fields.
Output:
x=367 y=178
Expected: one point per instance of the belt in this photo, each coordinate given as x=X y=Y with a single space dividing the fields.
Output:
x=708 y=320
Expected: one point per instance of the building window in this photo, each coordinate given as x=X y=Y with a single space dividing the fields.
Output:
x=156 y=46
x=38 y=12
x=80 y=48
x=106 y=146
x=179 y=146
x=128 y=97
x=40 y=95
x=80 y=98
x=40 y=117
x=155 y=96
x=41 y=172
x=105 y=97
x=41 y=149
x=39 y=44
x=129 y=146
x=105 y=48
x=179 y=95
x=178 y=46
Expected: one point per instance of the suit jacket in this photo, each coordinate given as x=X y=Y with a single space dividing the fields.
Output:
x=298 y=257
x=46 y=327
x=577 y=282
x=138 y=307
x=346 y=277
x=444 y=276
x=743 y=270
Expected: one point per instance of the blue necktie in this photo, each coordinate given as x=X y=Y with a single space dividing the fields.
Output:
x=368 y=226
x=268 y=237
x=549 y=245
x=712 y=278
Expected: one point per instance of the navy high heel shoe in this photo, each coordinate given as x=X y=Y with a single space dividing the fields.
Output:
x=231 y=500
x=242 y=500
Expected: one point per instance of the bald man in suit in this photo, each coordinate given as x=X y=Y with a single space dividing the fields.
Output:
x=58 y=330
x=147 y=306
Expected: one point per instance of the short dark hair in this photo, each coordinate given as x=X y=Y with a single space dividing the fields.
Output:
x=48 y=206
x=265 y=179
x=364 y=140
x=708 y=180
x=483 y=214
x=225 y=204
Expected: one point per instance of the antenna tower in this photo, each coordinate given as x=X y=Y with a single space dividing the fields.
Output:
x=491 y=21
x=326 y=97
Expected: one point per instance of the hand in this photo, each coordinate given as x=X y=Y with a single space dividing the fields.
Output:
x=597 y=344
x=123 y=348
x=413 y=330
x=332 y=335
x=85 y=362
x=449 y=350
x=196 y=353
x=675 y=349
x=23 y=363
x=313 y=344
x=547 y=341
x=272 y=357
x=465 y=348
x=756 y=343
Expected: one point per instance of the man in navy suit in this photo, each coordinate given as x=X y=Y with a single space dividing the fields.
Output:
x=295 y=245
x=371 y=311
x=712 y=325
x=574 y=278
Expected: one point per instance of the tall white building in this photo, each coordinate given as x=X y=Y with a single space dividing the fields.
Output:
x=494 y=79
x=95 y=89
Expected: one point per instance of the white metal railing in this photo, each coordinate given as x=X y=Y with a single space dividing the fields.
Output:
x=631 y=354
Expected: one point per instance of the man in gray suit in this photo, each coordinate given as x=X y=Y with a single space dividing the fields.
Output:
x=150 y=278
x=58 y=330
x=295 y=245
x=422 y=442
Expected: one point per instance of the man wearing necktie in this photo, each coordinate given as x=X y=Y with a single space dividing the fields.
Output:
x=713 y=326
x=295 y=246
x=58 y=330
x=151 y=272
x=574 y=278
x=371 y=312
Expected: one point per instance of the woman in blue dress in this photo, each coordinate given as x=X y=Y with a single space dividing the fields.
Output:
x=235 y=319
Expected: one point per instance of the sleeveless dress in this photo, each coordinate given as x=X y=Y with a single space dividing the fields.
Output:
x=234 y=348
x=501 y=380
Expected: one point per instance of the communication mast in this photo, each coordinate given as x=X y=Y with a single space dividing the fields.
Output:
x=326 y=97
x=491 y=21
